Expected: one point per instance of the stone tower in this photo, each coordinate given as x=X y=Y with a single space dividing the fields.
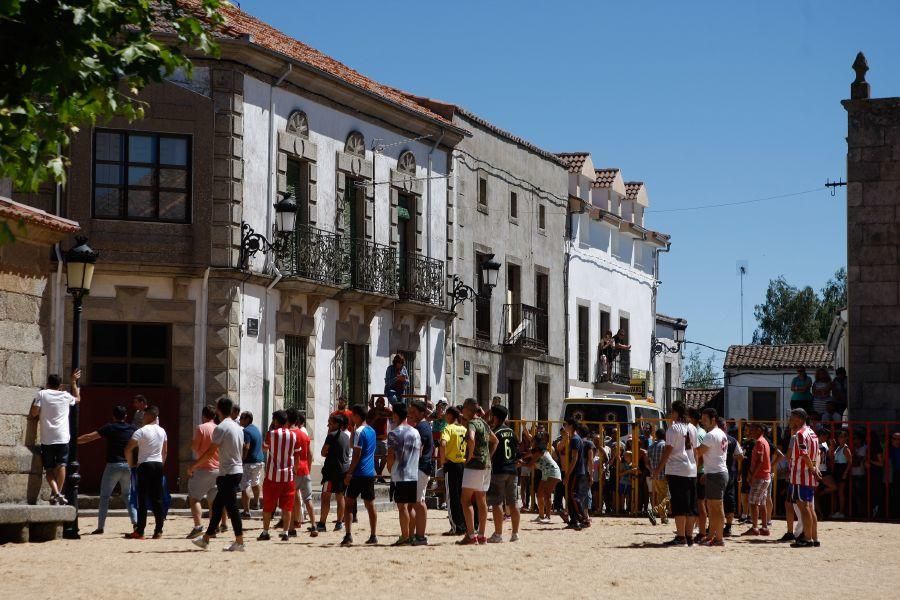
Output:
x=873 y=259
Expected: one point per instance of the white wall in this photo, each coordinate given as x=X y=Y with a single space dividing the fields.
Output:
x=739 y=384
x=598 y=279
x=329 y=129
x=250 y=373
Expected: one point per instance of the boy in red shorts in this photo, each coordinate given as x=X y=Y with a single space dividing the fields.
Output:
x=278 y=487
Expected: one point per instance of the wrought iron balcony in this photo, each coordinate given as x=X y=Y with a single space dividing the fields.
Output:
x=370 y=267
x=421 y=279
x=617 y=370
x=524 y=328
x=313 y=254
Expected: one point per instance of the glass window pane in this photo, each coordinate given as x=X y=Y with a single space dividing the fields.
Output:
x=141 y=149
x=109 y=340
x=107 y=202
x=148 y=374
x=173 y=178
x=108 y=146
x=109 y=174
x=142 y=176
x=173 y=151
x=141 y=204
x=173 y=206
x=109 y=373
x=149 y=341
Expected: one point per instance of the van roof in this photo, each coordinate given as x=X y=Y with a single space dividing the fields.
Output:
x=612 y=400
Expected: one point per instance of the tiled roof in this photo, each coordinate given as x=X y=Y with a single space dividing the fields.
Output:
x=788 y=356
x=701 y=398
x=11 y=210
x=632 y=189
x=574 y=160
x=605 y=177
x=239 y=25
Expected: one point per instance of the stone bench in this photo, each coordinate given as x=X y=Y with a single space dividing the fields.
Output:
x=33 y=522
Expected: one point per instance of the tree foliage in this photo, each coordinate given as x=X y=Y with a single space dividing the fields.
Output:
x=791 y=315
x=71 y=63
x=699 y=371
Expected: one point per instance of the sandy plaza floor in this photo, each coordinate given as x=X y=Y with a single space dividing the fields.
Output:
x=614 y=557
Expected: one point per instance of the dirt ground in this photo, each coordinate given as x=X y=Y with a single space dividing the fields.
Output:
x=615 y=556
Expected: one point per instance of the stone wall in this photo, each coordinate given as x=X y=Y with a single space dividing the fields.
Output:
x=24 y=343
x=873 y=260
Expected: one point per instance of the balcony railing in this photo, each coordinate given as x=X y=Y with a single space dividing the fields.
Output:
x=313 y=254
x=524 y=326
x=370 y=267
x=617 y=370
x=421 y=279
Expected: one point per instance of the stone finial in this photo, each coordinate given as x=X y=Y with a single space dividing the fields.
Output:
x=860 y=89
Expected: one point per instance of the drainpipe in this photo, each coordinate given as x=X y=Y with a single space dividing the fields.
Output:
x=270 y=186
x=656 y=283
x=428 y=254
x=453 y=382
x=200 y=367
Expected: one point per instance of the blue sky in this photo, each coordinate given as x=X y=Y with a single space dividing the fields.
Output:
x=707 y=102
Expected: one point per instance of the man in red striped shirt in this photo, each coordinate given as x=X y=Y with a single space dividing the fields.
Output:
x=278 y=488
x=804 y=476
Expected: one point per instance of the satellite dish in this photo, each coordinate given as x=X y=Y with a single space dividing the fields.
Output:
x=742 y=267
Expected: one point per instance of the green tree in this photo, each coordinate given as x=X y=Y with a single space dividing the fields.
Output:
x=792 y=315
x=70 y=63
x=699 y=371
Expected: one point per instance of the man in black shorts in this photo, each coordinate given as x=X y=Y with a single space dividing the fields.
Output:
x=360 y=477
x=680 y=466
x=404 y=449
x=335 y=450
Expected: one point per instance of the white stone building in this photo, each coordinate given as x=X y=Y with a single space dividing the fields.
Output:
x=668 y=362
x=612 y=263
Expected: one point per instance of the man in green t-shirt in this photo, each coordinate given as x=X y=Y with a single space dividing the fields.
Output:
x=480 y=445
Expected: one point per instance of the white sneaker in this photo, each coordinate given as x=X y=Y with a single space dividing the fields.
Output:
x=495 y=539
x=234 y=547
x=545 y=521
x=200 y=543
x=537 y=520
x=514 y=537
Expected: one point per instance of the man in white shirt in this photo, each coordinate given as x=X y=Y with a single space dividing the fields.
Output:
x=714 y=450
x=228 y=441
x=680 y=466
x=51 y=408
x=152 y=447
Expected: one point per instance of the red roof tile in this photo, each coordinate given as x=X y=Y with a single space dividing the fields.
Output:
x=240 y=25
x=605 y=177
x=701 y=398
x=11 y=210
x=788 y=356
x=632 y=189
x=574 y=160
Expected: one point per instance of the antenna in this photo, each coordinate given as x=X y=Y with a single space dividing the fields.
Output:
x=742 y=267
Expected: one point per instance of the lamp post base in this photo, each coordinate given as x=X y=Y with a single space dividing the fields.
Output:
x=73 y=478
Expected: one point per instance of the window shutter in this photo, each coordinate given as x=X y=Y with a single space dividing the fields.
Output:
x=313 y=176
x=339 y=201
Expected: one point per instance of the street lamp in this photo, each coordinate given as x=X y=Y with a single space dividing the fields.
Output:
x=285 y=223
x=79 y=275
x=489 y=270
x=658 y=346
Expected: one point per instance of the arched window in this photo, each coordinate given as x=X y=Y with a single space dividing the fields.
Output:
x=356 y=144
x=407 y=163
x=298 y=124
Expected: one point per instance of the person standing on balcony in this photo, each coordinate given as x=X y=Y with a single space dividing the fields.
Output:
x=607 y=354
x=396 y=380
x=800 y=386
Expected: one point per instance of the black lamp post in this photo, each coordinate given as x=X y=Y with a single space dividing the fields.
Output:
x=489 y=271
x=79 y=274
x=285 y=223
x=658 y=346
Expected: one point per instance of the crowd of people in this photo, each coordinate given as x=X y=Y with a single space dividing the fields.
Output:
x=696 y=470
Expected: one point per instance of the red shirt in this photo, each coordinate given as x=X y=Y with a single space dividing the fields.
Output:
x=281 y=445
x=349 y=414
x=761 y=462
x=803 y=443
x=303 y=444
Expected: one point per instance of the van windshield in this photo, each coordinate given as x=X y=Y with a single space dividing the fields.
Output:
x=597 y=412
